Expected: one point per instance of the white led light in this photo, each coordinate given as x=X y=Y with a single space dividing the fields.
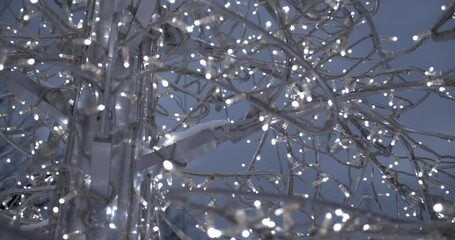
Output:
x=214 y=233
x=101 y=107
x=245 y=233
x=438 y=207
x=165 y=83
x=30 y=61
x=295 y=104
x=337 y=227
x=339 y=212
x=168 y=165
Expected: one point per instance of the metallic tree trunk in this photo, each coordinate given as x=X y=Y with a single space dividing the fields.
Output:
x=107 y=134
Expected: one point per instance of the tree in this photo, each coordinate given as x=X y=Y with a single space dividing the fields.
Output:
x=238 y=119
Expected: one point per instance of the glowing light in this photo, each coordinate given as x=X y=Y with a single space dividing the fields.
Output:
x=245 y=233
x=328 y=215
x=30 y=61
x=337 y=227
x=268 y=222
x=438 y=207
x=213 y=232
x=101 y=107
x=295 y=104
x=165 y=83
x=339 y=212
x=168 y=165
x=255 y=83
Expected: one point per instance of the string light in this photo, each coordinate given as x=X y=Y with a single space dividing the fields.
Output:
x=139 y=102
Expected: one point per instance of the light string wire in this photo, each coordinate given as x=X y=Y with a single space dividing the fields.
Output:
x=332 y=145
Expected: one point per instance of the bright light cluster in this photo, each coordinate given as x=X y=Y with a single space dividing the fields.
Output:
x=320 y=115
